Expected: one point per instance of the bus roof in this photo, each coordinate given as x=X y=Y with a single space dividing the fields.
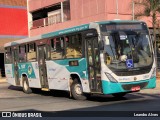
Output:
x=116 y=21
x=65 y=31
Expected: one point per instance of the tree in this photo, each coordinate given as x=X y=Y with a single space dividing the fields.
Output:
x=148 y=8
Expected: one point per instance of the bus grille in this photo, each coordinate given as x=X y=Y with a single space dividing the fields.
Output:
x=130 y=73
x=129 y=86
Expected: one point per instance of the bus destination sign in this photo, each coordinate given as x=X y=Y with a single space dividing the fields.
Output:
x=121 y=27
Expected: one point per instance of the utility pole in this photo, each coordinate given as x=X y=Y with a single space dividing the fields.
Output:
x=117 y=9
x=132 y=9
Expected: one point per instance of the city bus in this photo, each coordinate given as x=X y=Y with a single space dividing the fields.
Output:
x=107 y=57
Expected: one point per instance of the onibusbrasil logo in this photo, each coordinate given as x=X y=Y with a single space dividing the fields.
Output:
x=21 y=114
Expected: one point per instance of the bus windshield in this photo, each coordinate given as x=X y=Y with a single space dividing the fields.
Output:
x=127 y=50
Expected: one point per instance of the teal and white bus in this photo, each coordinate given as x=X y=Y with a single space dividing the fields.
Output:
x=108 y=57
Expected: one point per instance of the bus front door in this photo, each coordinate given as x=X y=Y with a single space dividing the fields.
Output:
x=42 y=55
x=94 y=66
x=15 y=63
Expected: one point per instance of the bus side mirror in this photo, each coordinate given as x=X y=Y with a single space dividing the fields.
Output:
x=101 y=45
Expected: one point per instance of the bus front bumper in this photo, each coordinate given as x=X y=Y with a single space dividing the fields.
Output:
x=110 y=87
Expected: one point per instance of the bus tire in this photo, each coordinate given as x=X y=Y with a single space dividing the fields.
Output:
x=77 y=91
x=119 y=95
x=26 y=88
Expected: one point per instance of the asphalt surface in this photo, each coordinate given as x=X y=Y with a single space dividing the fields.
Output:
x=58 y=105
x=13 y=99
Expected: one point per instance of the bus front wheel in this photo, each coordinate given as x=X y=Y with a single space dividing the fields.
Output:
x=26 y=88
x=77 y=91
x=119 y=95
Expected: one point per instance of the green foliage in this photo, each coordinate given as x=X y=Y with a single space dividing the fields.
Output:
x=146 y=8
x=149 y=8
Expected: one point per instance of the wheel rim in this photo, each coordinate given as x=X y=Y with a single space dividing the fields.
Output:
x=78 y=89
x=25 y=85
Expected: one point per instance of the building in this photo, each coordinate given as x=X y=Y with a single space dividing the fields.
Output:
x=51 y=15
x=13 y=23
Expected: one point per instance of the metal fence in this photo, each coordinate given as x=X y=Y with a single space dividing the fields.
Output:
x=54 y=19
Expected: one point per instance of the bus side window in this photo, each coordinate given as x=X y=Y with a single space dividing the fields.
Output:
x=31 y=55
x=74 y=46
x=57 y=48
x=22 y=53
x=8 y=55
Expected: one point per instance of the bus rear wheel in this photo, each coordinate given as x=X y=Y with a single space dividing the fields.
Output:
x=119 y=95
x=26 y=88
x=77 y=91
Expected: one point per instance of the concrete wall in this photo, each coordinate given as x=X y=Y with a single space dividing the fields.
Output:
x=13 y=21
x=37 y=4
x=85 y=11
x=13 y=2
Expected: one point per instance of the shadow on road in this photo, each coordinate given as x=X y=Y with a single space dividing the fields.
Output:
x=153 y=95
x=131 y=102
x=92 y=98
x=11 y=87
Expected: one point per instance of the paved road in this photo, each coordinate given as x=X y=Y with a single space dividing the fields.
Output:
x=13 y=99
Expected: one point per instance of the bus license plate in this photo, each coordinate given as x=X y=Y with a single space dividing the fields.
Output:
x=136 y=88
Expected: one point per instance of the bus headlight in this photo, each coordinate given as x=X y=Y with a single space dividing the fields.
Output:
x=153 y=73
x=111 y=78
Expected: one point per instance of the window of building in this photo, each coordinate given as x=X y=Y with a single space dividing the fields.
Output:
x=74 y=46
x=22 y=53
x=57 y=48
x=8 y=55
x=52 y=14
x=31 y=54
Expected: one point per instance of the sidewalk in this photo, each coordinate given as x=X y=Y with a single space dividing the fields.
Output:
x=2 y=80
